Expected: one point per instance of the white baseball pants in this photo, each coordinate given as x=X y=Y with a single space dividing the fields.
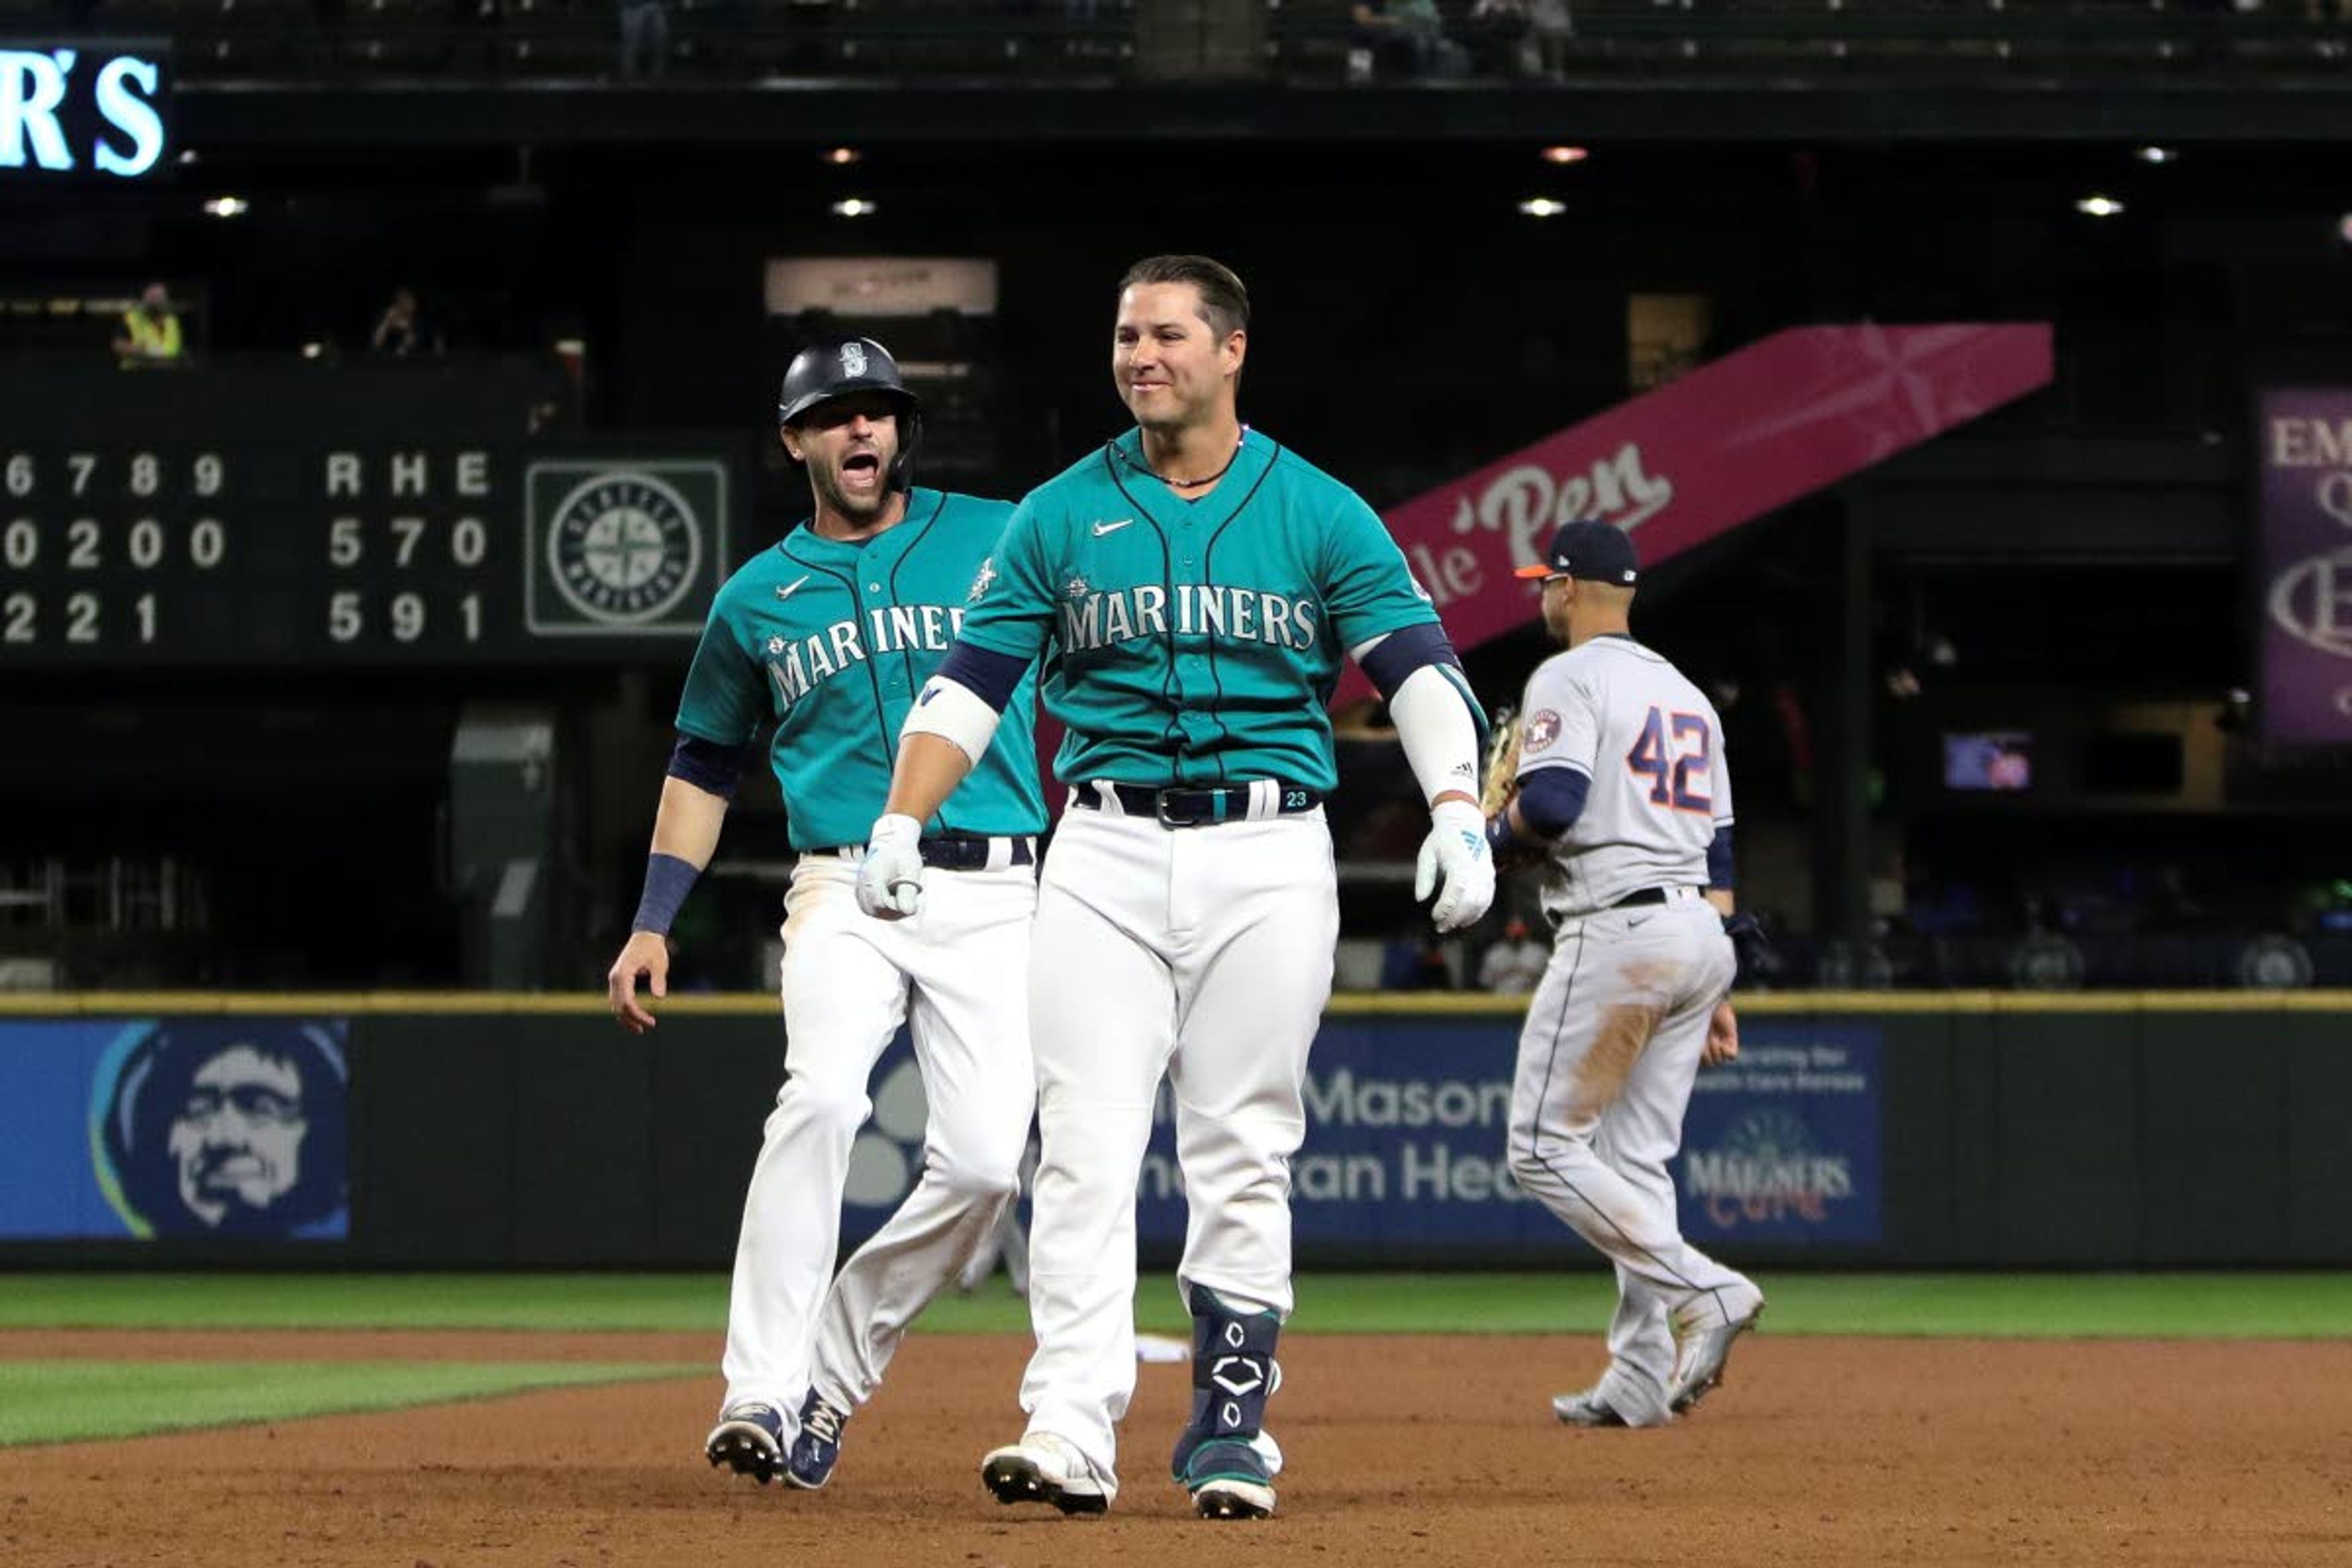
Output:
x=1205 y=954
x=957 y=970
x=1610 y=1045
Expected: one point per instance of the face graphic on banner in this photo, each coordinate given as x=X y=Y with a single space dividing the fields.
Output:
x=229 y=1129
x=237 y=1139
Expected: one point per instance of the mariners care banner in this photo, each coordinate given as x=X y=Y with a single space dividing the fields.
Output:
x=2305 y=565
x=1728 y=442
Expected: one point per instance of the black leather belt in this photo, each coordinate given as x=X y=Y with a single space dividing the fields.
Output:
x=1198 y=807
x=960 y=852
x=1642 y=895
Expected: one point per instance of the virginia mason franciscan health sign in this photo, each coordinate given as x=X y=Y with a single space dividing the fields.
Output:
x=2304 y=562
x=1406 y=1149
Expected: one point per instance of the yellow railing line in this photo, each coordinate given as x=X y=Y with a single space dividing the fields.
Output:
x=1347 y=1004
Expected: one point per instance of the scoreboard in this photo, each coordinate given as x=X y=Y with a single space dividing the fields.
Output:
x=387 y=522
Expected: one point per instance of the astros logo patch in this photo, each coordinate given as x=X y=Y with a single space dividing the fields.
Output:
x=623 y=547
x=1543 y=728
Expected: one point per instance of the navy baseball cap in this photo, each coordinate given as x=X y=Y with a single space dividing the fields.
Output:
x=1597 y=551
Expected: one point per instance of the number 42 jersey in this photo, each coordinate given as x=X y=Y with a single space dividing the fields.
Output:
x=1651 y=744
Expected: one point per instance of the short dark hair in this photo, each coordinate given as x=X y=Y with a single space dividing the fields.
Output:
x=1224 y=301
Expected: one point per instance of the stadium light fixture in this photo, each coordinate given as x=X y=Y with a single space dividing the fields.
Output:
x=854 y=207
x=842 y=157
x=228 y=206
x=2099 y=206
x=1542 y=206
x=2153 y=154
x=1566 y=154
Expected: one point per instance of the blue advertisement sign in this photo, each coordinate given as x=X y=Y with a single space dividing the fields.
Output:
x=1407 y=1122
x=1783 y=1144
x=179 y=1127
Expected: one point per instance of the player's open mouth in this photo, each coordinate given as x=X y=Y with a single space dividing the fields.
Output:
x=861 y=469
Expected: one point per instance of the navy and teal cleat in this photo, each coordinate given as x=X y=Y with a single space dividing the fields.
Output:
x=749 y=1440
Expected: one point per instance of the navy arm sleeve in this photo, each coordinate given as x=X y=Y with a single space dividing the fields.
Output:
x=1719 y=858
x=708 y=765
x=1552 y=799
x=1404 y=650
x=987 y=674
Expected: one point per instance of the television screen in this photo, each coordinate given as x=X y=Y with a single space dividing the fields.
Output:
x=1989 y=759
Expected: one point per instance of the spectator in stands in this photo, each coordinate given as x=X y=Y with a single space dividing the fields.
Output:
x=644 y=40
x=1498 y=38
x=403 y=331
x=149 y=337
x=1513 y=965
x=1410 y=34
x=1549 y=28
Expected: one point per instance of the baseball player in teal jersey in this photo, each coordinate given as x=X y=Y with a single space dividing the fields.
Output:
x=1191 y=588
x=1624 y=787
x=827 y=636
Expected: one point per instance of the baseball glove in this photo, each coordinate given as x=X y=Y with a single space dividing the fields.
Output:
x=1502 y=764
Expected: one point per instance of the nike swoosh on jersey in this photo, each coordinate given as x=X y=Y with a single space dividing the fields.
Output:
x=790 y=589
x=1103 y=527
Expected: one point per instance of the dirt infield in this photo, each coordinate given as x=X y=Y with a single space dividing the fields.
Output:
x=1819 y=1452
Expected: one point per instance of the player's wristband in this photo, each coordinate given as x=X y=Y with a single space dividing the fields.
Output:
x=1503 y=839
x=667 y=881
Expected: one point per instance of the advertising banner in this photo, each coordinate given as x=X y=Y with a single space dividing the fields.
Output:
x=1783 y=1144
x=1406 y=1127
x=117 y=1128
x=2304 y=562
x=1726 y=443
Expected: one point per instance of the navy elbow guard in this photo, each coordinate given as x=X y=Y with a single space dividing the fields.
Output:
x=1750 y=947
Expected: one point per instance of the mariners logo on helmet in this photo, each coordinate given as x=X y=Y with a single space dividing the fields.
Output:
x=853 y=359
x=624 y=546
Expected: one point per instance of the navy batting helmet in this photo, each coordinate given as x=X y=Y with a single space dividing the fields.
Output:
x=822 y=372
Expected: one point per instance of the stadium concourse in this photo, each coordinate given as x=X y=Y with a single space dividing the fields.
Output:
x=1834 y=1453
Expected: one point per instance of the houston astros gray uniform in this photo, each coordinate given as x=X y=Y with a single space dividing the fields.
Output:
x=1622 y=781
x=1192 y=589
x=827 y=636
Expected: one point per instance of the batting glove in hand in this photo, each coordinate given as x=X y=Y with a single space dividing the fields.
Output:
x=1456 y=865
x=891 y=877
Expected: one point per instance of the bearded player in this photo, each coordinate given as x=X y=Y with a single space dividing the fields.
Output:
x=1193 y=587
x=827 y=638
x=1624 y=792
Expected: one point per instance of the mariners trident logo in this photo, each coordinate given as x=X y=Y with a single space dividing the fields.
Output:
x=625 y=547
x=621 y=546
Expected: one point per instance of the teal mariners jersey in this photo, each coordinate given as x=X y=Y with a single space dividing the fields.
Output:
x=1193 y=642
x=830 y=642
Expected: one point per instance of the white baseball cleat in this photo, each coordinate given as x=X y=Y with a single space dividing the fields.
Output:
x=1585 y=1407
x=1042 y=1468
x=1704 y=1353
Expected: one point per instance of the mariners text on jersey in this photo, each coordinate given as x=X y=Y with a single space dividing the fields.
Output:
x=1091 y=619
x=794 y=666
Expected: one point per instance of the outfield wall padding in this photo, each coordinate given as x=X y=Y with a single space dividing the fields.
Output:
x=1861 y=1131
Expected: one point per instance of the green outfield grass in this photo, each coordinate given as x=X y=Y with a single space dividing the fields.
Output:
x=2192 y=1306
x=74 y=1401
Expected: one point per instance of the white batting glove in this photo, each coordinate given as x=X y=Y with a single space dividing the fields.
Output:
x=891 y=877
x=1455 y=864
